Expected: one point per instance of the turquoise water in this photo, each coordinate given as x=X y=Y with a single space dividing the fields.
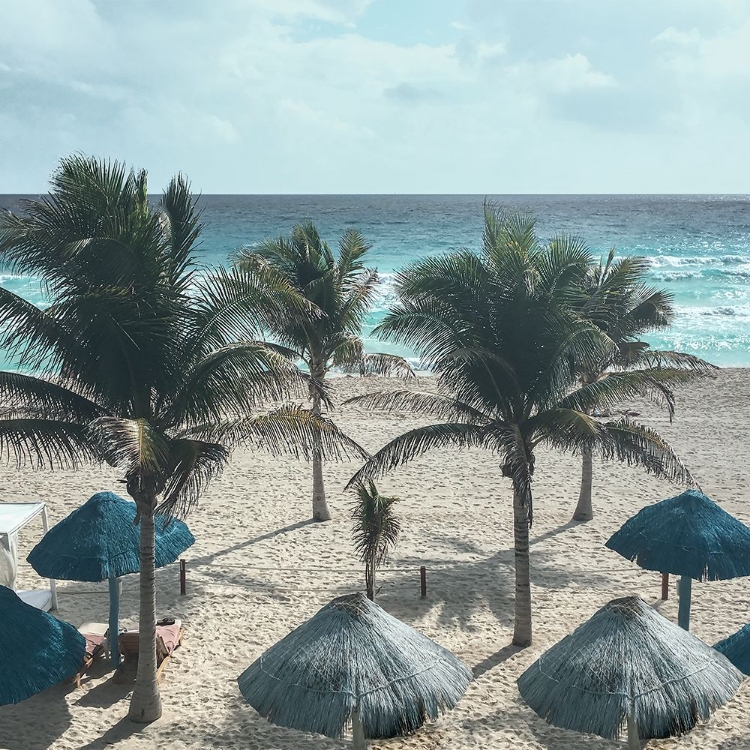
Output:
x=699 y=246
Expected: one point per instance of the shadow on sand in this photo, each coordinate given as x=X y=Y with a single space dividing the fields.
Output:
x=121 y=731
x=520 y=726
x=36 y=723
x=208 y=559
x=497 y=658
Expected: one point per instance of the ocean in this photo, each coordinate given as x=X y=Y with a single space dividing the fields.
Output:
x=699 y=247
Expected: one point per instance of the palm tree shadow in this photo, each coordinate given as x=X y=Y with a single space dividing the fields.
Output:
x=20 y=725
x=527 y=727
x=104 y=695
x=241 y=722
x=208 y=559
x=463 y=588
x=497 y=658
x=554 y=532
x=121 y=731
x=460 y=589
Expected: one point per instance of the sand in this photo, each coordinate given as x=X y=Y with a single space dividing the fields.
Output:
x=260 y=567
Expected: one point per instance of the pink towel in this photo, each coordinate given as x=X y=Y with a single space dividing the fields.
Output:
x=170 y=634
x=93 y=643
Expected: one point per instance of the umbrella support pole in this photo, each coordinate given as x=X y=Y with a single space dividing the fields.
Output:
x=685 y=590
x=114 y=620
x=358 y=732
x=634 y=742
x=52 y=582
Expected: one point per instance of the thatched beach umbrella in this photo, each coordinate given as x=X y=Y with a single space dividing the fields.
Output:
x=690 y=536
x=737 y=649
x=353 y=663
x=36 y=650
x=100 y=541
x=629 y=666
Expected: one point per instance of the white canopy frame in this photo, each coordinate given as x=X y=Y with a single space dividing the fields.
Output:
x=13 y=518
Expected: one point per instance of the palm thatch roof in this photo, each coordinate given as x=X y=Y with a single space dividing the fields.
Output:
x=353 y=653
x=688 y=535
x=737 y=649
x=628 y=660
x=36 y=650
x=100 y=540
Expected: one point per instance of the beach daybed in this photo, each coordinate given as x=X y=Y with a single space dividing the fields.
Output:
x=13 y=518
x=168 y=638
x=95 y=634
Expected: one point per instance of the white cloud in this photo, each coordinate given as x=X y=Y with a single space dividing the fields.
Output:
x=562 y=75
x=272 y=84
x=671 y=35
x=723 y=56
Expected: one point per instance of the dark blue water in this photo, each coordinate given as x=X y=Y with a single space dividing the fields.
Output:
x=699 y=246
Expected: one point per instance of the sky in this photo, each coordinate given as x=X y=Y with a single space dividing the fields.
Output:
x=382 y=96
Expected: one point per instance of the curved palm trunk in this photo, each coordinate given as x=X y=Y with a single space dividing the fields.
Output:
x=584 y=510
x=145 y=705
x=320 y=507
x=522 y=626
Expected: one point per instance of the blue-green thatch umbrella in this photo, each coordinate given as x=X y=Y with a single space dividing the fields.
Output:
x=690 y=536
x=627 y=666
x=100 y=541
x=737 y=649
x=353 y=663
x=36 y=650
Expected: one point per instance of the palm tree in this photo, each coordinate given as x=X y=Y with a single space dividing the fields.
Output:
x=618 y=300
x=138 y=361
x=501 y=332
x=375 y=530
x=343 y=289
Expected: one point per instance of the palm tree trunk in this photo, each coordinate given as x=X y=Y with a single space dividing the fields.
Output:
x=320 y=507
x=145 y=705
x=370 y=579
x=522 y=626
x=584 y=509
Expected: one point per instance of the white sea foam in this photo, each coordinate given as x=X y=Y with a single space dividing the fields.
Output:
x=661 y=261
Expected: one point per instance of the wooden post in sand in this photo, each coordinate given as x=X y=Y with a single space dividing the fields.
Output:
x=665 y=586
x=422 y=582
x=183 y=578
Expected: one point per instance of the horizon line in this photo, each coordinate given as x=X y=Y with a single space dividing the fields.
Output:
x=442 y=195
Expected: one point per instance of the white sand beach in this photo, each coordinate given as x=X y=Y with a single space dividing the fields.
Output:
x=260 y=567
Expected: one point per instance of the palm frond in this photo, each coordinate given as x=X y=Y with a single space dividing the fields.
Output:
x=386 y=365
x=237 y=378
x=192 y=464
x=639 y=354
x=44 y=443
x=46 y=399
x=612 y=388
x=638 y=445
x=181 y=227
x=135 y=445
x=417 y=442
x=418 y=402
x=288 y=430
x=355 y=297
x=34 y=337
x=352 y=249
x=375 y=528
x=239 y=303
